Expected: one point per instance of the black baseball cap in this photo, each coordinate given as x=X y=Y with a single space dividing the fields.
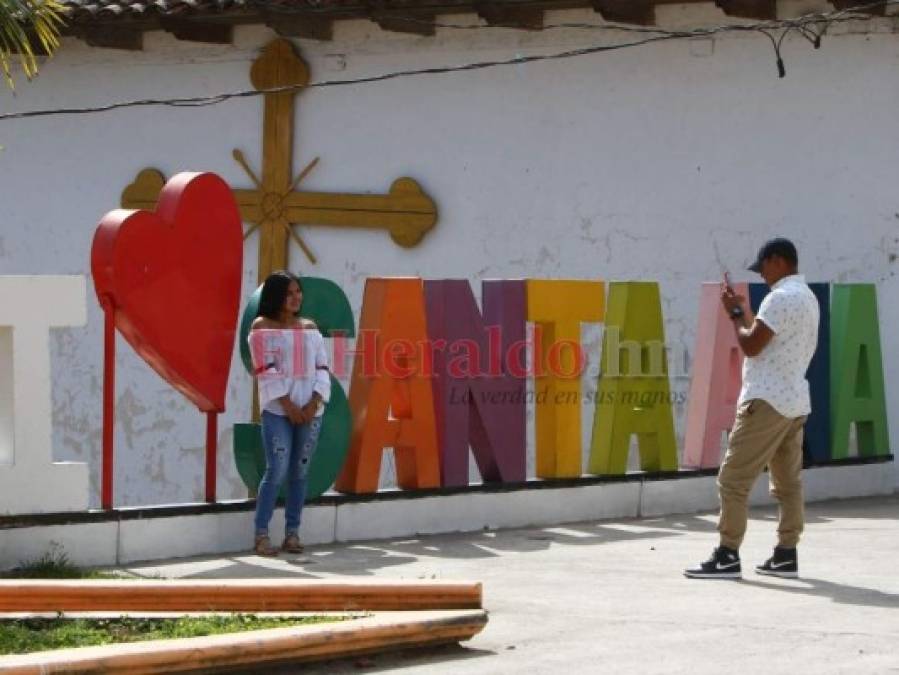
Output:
x=777 y=246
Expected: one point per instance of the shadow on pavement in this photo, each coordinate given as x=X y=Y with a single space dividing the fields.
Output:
x=374 y=663
x=841 y=593
x=369 y=558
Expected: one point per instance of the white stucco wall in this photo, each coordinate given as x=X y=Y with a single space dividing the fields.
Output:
x=663 y=162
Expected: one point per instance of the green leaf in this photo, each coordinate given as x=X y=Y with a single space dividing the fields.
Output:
x=25 y=24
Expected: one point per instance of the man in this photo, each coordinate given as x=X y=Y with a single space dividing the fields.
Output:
x=771 y=411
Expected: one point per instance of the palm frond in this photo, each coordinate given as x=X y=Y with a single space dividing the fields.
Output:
x=22 y=21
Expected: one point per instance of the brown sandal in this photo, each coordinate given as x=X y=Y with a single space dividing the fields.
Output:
x=292 y=544
x=263 y=546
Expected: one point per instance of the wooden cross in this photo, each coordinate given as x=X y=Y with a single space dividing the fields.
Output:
x=275 y=205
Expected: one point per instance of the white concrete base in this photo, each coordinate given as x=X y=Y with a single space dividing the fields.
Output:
x=842 y=482
x=700 y=493
x=135 y=539
x=86 y=544
x=684 y=495
x=52 y=488
x=468 y=512
x=208 y=533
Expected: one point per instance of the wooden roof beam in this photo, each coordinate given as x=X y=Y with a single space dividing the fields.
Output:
x=639 y=12
x=112 y=37
x=209 y=32
x=301 y=26
x=419 y=24
x=503 y=14
x=879 y=10
x=764 y=10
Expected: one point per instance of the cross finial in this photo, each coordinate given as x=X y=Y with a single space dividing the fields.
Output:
x=279 y=66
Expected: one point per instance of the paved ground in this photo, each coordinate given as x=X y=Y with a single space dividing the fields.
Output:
x=610 y=597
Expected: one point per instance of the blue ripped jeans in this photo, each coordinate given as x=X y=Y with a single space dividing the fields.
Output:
x=288 y=454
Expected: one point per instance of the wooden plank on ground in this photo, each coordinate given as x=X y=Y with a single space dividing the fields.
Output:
x=380 y=632
x=235 y=595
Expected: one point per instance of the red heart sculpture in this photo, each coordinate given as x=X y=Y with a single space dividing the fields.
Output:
x=173 y=278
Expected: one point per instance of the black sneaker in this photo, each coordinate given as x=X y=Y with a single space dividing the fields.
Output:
x=724 y=564
x=784 y=563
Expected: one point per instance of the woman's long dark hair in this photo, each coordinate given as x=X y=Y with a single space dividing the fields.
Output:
x=274 y=293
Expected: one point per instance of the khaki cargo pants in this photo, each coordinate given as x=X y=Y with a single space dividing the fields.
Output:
x=761 y=437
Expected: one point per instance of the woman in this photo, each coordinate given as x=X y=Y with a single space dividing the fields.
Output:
x=294 y=384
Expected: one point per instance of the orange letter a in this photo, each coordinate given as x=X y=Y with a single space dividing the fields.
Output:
x=392 y=404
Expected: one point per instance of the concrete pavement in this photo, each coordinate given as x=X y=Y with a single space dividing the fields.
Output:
x=610 y=596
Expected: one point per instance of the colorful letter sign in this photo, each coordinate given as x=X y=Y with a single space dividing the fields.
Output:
x=478 y=400
x=857 y=372
x=30 y=481
x=716 y=382
x=558 y=307
x=434 y=376
x=390 y=394
x=634 y=394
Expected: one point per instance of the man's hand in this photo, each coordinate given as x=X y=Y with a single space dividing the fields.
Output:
x=729 y=297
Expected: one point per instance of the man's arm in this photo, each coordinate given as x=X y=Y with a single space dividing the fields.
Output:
x=752 y=338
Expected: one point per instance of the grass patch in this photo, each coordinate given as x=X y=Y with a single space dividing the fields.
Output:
x=22 y=636
x=55 y=565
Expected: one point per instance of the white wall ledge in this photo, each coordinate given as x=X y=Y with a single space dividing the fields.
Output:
x=98 y=538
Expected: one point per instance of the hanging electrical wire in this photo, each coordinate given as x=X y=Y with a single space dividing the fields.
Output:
x=810 y=26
